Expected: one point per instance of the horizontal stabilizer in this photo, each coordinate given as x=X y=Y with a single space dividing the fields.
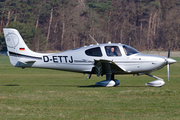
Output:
x=25 y=62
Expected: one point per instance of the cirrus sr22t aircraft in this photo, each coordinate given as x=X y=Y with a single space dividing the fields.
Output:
x=108 y=59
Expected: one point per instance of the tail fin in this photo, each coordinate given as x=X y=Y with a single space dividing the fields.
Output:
x=18 y=52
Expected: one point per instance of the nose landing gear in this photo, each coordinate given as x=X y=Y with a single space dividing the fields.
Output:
x=157 y=83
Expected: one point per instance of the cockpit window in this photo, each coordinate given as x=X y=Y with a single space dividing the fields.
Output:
x=112 y=51
x=129 y=50
x=94 y=52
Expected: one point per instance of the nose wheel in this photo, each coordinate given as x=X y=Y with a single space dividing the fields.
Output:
x=157 y=83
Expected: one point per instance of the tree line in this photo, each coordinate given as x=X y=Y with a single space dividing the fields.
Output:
x=66 y=24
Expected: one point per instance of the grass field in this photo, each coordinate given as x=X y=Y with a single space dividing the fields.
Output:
x=50 y=94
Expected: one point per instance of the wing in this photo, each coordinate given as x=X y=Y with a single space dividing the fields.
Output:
x=102 y=67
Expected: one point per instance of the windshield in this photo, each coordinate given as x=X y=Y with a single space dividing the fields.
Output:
x=129 y=50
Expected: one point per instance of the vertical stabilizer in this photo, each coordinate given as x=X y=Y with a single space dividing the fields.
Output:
x=15 y=45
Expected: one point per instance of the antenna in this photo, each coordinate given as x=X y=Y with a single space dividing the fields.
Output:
x=93 y=39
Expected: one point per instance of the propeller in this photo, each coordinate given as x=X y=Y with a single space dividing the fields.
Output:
x=169 y=61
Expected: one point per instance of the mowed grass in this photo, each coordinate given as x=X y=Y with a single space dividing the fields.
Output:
x=51 y=94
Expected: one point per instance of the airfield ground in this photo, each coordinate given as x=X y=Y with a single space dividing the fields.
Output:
x=50 y=94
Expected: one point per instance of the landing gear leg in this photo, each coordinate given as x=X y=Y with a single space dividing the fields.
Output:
x=157 y=83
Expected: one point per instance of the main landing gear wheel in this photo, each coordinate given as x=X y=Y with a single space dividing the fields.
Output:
x=109 y=82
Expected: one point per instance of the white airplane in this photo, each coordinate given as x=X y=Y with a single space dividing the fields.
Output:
x=102 y=59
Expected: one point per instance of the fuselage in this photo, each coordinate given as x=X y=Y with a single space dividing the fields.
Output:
x=82 y=59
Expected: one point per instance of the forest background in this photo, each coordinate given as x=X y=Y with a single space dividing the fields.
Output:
x=60 y=25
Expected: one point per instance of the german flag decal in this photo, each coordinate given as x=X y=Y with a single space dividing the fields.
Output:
x=21 y=49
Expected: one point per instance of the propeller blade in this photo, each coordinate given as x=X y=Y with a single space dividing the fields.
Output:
x=169 y=50
x=168 y=70
x=168 y=64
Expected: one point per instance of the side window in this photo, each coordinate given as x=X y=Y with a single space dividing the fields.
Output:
x=94 y=52
x=112 y=51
